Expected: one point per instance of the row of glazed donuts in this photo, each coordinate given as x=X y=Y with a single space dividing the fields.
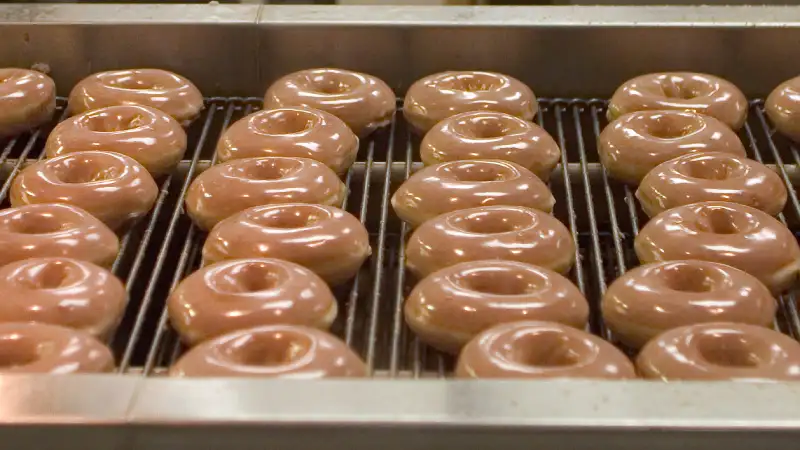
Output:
x=517 y=184
x=688 y=163
x=335 y=243
x=440 y=310
x=260 y=306
x=675 y=135
x=329 y=241
x=59 y=300
x=712 y=251
x=489 y=254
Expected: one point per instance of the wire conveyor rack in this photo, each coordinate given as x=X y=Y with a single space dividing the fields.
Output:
x=602 y=215
x=575 y=56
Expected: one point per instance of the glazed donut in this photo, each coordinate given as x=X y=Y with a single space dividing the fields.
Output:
x=701 y=177
x=456 y=185
x=681 y=91
x=243 y=293
x=452 y=305
x=153 y=138
x=110 y=186
x=512 y=233
x=329 y=241
x=727 y=233
x=657 y=297
x=44 y=348
x=720 y=351
x=279 y=351
x=27 y=100
x=234 y=186
x=445 y=94
x=295 y=132
x=491 y=135
x=160 y=89
x=62 y=291
x=783 y=108
x=364 y=102
x=541 y=350
x=636 y=143
x=57 y=230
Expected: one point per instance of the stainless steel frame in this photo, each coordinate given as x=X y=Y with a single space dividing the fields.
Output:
x=237 y=50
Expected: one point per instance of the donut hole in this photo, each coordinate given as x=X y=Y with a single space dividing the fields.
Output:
x=111 y=122
x=679 y=88
x=487 y=126
x=269 y=169
x=333 y=83
x=480 y=172
x=36 y=222
x=498 y=282
x=276 y=349
x=711 y=168
x=17 y=350
x=547 y=349
x=493 y=221
x=724 y=221
x=284 y=121
x=248 y=277
x=687 y=278
x=78 y=169
x=134 y=82
x=48 y=275
x=300 y=216
x=727 y=349
x=672 y=125
x=472 y=82
x=488 y=225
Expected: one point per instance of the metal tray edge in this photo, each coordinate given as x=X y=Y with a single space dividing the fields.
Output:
x=404 y=16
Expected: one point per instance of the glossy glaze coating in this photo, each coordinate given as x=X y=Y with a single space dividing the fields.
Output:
x=151 y=137
x=783 y=108
x=293 y=132
x=327 y=240
x=245 y=293
x=27 y=100
x=721 y=351
x=681 y=91
x=276 y=351
x=110 y=186
x=541 y=350
x=727 y=233
x=456 y=185
x=445 y=94
x=491 y=135
x=452 y=305
x=58 y=230
x=364 y=102
x=163 y=90
x=513 y=233
x=62 y=291
x=636 y=143
x=52 y=349
x=711 y=176
x=653 y=298
x=231 y=187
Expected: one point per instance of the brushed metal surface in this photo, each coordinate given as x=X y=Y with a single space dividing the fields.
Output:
x=568 y=51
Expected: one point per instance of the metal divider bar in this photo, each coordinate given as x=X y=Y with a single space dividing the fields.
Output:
x=571 y=210
x=162 y=254
x=377 y=280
